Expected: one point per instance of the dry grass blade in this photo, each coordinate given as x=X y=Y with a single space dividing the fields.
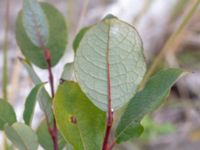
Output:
x=170 y=42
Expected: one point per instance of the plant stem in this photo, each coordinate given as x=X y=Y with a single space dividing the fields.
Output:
x=82 y=15
x=53 y=131
x=110 y=113
x=5 y=60
x=48 y=59
x=5 y=50
x=108 y=129
x=170 y=42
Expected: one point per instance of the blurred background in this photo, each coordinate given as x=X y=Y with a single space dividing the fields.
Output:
x=171 y=34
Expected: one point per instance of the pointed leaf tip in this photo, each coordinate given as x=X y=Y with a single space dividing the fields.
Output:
x=146 y=101
x=31 y=102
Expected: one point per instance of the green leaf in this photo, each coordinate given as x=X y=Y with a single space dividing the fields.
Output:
x=45 y=138
x=68 y=72
x=145 y=101
x=30 y=103
x=7 y=114
x=78 y=120
x=56 y=42
x=22 y=136
x=153 y=129
x=79 y=37
x=110 y=47
x=35 y=23
x=44 y=99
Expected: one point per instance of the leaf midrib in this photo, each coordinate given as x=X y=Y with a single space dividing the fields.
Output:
x=37 y=28
x=109 y=103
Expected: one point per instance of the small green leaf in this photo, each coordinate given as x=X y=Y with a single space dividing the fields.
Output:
x=56 y=42
x=78 y=120
x=45 y=138
x=110 y=53
x=145 y=101
x=79 y=37
x=22 y=136
x=35 y=23
x=7 y=114
x=68 y=72
x=44 y=99
x=30 y=103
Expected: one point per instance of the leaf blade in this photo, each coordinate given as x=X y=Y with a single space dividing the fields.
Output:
x=144 y=102
x=78 y=120
x=123 y=46
x=22 y=136
x=57 y=38
x=35 y=23
x=44 y=99
x=30 y=103
x=7 y=114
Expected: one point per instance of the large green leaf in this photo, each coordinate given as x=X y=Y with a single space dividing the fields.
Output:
x=35 y=23
x=79 y=121
x=110 y=52
x=145 y=101
x=30 y=103
x=44 y=99
x=7 y=114
x=22 y=136
x=56 y=42
x=45 y=138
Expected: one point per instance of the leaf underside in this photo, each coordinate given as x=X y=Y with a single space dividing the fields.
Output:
x=56 y=42
x=35 y=23
x=22 y=136
x=118 y=44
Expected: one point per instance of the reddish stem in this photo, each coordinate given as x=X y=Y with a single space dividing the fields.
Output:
x=110 y=113
x=48 y=59
x=107 y=134
x=53 y=131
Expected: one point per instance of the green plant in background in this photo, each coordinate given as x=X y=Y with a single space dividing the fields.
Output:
x=109 y=66
x=152 y=129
